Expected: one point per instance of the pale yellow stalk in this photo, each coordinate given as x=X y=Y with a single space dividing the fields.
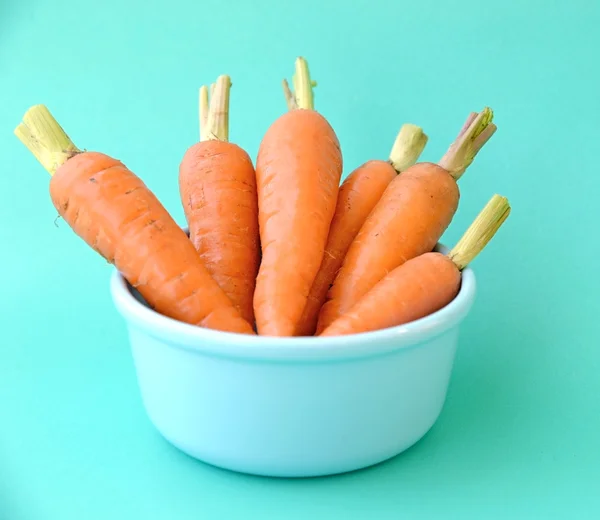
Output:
x=217 y=125
x=203 y=109
x=480 y=232
x=302 y=96
x=408 y=146
x=45 y=138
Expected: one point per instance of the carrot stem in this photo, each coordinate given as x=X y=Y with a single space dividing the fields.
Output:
x=303 y=86
x=476 y=131
x=217 y=125
x=408 y=146
x=45 y=138
x=203 y=103
x=480 y=232
x=289 y=96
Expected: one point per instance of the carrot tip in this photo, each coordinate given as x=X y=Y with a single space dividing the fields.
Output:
x=45 y=138
x=408 y=146
x=476 y=131
x=480 y=232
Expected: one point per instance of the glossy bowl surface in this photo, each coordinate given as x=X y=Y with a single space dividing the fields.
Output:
x=292 y=407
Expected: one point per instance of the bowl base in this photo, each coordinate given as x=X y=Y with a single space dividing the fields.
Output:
x=290 y=470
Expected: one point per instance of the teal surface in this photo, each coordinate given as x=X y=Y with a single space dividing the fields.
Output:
x=518 y=437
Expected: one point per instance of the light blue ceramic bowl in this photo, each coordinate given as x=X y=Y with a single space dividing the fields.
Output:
x=292 y=407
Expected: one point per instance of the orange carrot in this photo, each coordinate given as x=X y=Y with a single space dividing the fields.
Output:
x=217 y=185
x=424 y=284
x=409 y=219
x=114 y=212
x=298 y=170
x=358 y=194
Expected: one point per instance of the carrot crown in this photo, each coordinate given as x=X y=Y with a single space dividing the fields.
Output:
x=45 y=138
x=408 y=146
x=214 y=118
x=476 y=131
x=303 y=96
x=480 y=232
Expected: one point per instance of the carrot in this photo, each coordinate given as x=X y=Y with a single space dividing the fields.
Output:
x=358 y=194
x=298 y=170
x=114 y=212
x=217 y=184
x=409 y=219
x=423 y=284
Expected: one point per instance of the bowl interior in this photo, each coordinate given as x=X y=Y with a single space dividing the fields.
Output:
x=138 y=314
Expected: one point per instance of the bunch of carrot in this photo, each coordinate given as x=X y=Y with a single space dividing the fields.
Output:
x=277 y=246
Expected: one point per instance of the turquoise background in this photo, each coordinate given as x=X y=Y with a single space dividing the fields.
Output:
x=518 y=437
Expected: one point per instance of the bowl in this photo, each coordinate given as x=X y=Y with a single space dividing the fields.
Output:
x=292 y=407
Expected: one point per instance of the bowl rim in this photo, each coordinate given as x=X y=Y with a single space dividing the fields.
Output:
x=231 y=344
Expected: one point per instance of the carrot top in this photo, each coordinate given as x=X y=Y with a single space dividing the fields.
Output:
x=214 y=118
x=476 y=131
x=408 y=146
x=480 y=232
x=203 y=109
x=303 y=96
x=45 y=138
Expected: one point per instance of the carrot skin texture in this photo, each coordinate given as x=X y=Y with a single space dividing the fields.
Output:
x=358 y=195
x=409 y=219
x=298 y=170
x=217 y=185
x=113 y=211
x=417 y=288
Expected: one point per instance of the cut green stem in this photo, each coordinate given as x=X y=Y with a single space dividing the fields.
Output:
x=480 y=232
x=45 y=138
x=217 y=124
x=476 y=131
x=289 y=96
x=408 y=146
x=303 y=88
x=203 y=109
